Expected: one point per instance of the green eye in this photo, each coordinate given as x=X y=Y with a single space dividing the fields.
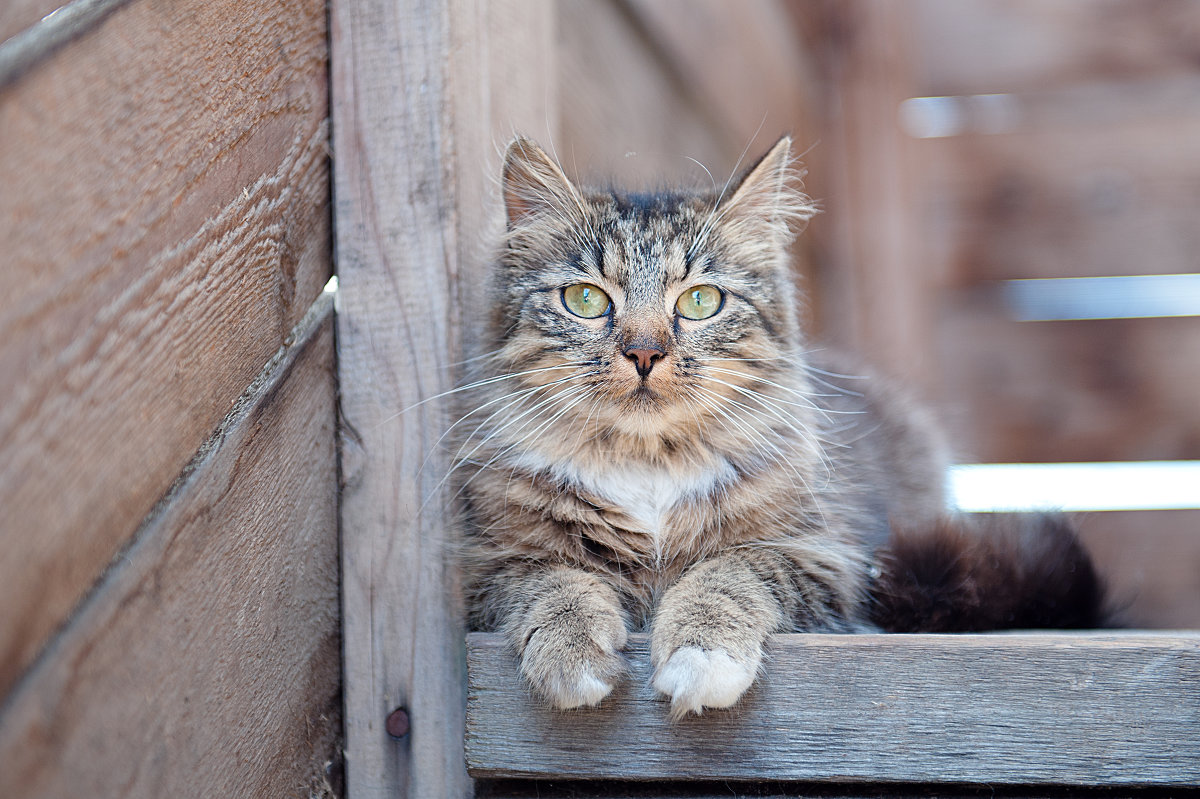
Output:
x=699 y=302
x=586 y=300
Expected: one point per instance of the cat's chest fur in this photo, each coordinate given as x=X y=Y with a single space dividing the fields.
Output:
x=642 y=497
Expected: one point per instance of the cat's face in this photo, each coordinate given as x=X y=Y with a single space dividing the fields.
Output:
x=654 y=311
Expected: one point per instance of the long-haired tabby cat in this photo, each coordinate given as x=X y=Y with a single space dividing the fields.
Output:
x=652 y=445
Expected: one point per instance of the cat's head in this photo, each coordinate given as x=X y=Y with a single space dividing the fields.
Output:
x=665 y=306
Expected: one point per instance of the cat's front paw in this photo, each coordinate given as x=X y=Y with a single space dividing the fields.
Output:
x=576 y=662
x=696 y=678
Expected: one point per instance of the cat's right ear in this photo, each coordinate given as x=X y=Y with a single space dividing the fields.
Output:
x=534 y=185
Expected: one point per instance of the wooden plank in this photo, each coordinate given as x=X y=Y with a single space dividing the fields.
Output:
x=1059 y=200
x=206 y=662
x=626 y=116
x=725 y=789
x=745 y=65
x=1014 y=45
x=165 y=224
x=871 y=280
x=424 y=93
x=1020 y=709
x=1148 y=559
x=1114 y=389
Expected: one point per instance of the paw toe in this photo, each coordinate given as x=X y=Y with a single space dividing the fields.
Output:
x=696 y=678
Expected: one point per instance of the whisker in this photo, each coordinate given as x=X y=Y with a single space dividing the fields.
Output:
x=511 y=399
x=481 y=383
x=807 y=402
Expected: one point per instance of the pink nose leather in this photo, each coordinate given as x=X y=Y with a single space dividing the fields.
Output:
x=643 y=358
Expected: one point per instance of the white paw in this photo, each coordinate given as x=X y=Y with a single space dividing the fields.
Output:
x=576 y=690
x=696 y=678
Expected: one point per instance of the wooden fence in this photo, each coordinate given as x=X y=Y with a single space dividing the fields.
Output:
x=168 y=574
x=173 y=440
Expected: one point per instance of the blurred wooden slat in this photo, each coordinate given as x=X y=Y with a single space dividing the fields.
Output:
x=1013 y=45
x=1152 y=563
x=744 y=66
x=1067 y=391
x=37 y=31
x=206 y=663
x=164 y=219
x=1091 y=168
x=19 y=15
x=1067 y=201
x=1014 y=709
x=426 y=96
x=875 y=295
x=625 y=115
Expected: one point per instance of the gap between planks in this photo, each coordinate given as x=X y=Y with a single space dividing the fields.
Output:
x=25 y=50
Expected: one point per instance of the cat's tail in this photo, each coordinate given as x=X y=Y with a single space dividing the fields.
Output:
x=988 y=572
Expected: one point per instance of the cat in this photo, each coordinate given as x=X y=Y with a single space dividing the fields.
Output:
x=652 y=445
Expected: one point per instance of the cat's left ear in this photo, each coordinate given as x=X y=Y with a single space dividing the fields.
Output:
x=769 y=196
x=534 y=184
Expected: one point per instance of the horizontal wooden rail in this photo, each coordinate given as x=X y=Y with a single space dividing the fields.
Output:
x=1020 y=709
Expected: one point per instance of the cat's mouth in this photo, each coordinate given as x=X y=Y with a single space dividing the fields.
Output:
x=644 y=394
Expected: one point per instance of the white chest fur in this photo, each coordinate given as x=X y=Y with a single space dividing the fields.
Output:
x=647 y=494
x=643 y=493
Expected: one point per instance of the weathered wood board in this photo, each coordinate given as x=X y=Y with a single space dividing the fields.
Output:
x=165 y=223
x=425 y=97
x=206 y=661
x=1011 y=709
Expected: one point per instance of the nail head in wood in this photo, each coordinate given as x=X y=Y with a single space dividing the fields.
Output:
x=397 y=723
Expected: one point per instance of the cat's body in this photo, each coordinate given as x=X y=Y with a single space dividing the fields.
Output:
x=650 y=446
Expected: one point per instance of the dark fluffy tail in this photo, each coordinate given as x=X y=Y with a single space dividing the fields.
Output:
x=987 y=572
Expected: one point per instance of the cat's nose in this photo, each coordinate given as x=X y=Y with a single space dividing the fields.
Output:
x=643 y=358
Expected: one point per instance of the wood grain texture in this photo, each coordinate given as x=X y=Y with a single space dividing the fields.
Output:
x=425 y=95
x=1020 y=709
x=206 y=661
x=165 y=223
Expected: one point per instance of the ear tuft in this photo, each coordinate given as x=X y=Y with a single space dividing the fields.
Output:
x=769 y=194
x=534 y=184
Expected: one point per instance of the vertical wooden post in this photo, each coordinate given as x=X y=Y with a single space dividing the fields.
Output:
x=424 y=96
x=876 y=297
